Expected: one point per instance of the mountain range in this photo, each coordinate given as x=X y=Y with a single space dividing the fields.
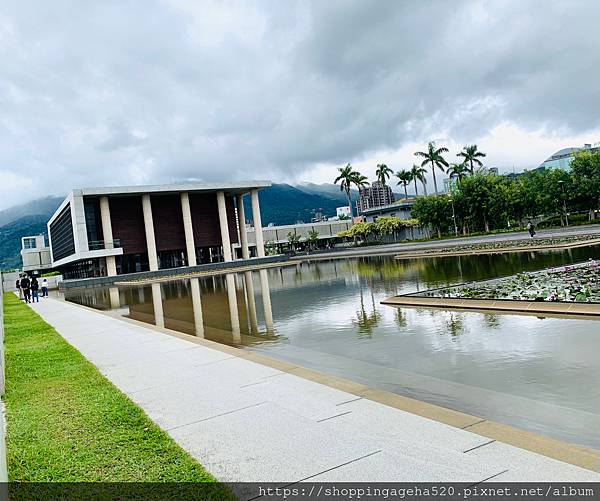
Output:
x=280 y=204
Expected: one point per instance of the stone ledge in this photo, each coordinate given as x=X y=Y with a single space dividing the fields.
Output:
x=554 y=308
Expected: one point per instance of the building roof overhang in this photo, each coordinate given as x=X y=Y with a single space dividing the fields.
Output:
x=233 y=188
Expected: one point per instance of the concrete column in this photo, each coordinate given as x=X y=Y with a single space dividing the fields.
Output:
x=266 y=299
x=260 y=244
x=250 y=300
x=224 y=226
x=197 y=307
x=190 y=247
x=241 y=212
x=233 y=308
x=150 y=240
x=159 y=316
x=111 y=265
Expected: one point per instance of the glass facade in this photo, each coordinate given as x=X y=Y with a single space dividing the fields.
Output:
x=61 y=235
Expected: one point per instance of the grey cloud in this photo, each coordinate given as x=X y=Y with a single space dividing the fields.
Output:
x=114 y=92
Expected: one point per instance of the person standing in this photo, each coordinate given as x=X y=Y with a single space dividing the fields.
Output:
x=35 y=286
x=45 y=287
x=25 y=287
x=531 y=229
x=18 y=286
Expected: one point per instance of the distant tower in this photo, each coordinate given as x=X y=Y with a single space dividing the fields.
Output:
x=375 y=195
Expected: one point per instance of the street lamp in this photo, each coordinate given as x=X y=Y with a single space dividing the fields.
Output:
x=453 y=217
x=562 y=187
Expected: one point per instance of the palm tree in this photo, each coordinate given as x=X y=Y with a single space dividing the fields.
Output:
x=346 y=179
x=383 y=173
x=404 y=178
x=417 y=173
x=359 y=180
x=458 y=171
x=471 y=155
x=434 y=157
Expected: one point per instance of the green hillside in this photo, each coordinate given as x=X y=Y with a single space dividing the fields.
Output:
x=10 y=238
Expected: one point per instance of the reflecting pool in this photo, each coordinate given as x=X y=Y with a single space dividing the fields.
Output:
x=540 y=374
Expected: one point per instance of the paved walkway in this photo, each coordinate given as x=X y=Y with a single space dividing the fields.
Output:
x=593 y=229
x=248 y=422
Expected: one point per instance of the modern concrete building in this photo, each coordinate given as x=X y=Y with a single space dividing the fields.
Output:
x=278 y=235
x=400 y=209
x=562 y=159
x=35 y=254
x=375 y=195
x=117 y=230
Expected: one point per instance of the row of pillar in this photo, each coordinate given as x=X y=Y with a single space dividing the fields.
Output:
x=189 y=230
x=159 y=317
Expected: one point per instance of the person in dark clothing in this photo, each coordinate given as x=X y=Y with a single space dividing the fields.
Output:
x=25 y=287
x=35 y=287
x=531 y=229
x=18 y=286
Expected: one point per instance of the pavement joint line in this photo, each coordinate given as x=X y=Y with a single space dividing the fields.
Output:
x=559 y=450
x=478 y=446
x=331 y=417
x=253 y=384
x=336 y=467
x=348 y=401
x=473 y=424
x=213 y=362
x=215 y=416
x=486 y=479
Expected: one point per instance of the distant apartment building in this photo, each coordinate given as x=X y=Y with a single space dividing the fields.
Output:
x=35 y=254
x=374 y=195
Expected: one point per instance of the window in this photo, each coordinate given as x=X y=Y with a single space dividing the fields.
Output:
x=29 y=243
x=61 y=232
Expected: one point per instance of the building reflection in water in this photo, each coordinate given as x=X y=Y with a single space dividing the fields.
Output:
x=157 y=304
x=251 y=302
x=220 y=308
x=115 y=300
x=266 y=300
x=233 y=308
x=197 y=307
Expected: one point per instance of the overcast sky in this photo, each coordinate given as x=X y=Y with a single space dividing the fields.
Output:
x=137 y=92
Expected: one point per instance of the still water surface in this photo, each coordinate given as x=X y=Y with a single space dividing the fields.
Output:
x=541 y=374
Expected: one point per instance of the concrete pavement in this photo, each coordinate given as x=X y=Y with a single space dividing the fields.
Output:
x=450 y=242
x=245 y=421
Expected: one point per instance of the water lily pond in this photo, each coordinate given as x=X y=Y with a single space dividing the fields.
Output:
x=579 y=283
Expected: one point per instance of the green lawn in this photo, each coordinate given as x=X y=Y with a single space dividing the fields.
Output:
x=67 y=423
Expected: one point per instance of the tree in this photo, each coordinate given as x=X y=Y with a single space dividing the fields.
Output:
x=434 y=211
x=417 y=173
x=434 y=157
x=458 y=171
x=293 y=239
x=471 y=155
x=585 y=172
x=347 y=178
x=359 y=180
x=404 y=178
x=313 y=238
x=383 y=172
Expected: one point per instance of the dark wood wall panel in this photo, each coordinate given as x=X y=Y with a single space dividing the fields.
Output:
x=205 y=219
x=168 y=222
x=231 y=219
x=127 y=219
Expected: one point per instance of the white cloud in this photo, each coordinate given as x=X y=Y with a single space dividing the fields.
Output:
x=115 y=93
